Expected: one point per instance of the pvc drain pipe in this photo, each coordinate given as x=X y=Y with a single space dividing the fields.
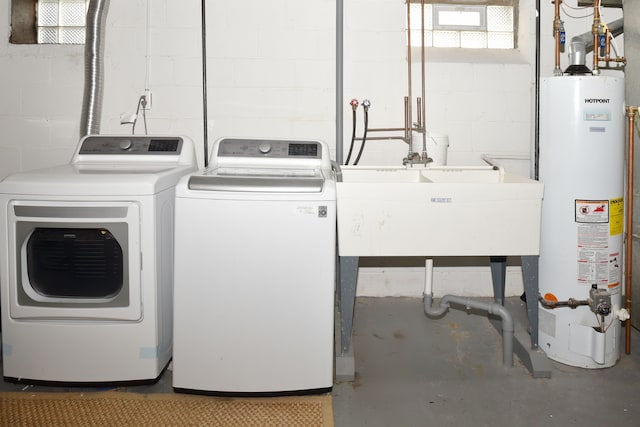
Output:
x=491 y=308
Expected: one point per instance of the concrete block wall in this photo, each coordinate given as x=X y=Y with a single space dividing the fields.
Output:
x=271 y=69
x=632 y=35
x=42 y=86
x=271 y=72
x=39 y=102
x=483 y=102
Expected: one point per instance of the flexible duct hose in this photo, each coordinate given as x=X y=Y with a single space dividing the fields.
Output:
x=93 y=68
x=616 y=28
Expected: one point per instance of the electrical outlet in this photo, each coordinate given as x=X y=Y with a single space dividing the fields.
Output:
x=147 y=99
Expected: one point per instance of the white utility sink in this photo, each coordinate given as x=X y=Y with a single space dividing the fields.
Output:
x=437 y=211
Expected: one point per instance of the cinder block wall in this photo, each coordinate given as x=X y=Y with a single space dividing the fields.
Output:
x=271 y=72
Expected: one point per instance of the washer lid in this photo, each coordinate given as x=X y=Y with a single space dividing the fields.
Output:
x=261 y=180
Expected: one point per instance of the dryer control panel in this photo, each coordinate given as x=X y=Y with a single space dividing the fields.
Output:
x=97 y=144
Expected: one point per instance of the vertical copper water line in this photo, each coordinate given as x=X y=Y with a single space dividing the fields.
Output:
x=595 y=29
x=423 y=107
x=631 y=117
x=607 y=35
x=407 y=105
x=407 y=122
x=556 y=34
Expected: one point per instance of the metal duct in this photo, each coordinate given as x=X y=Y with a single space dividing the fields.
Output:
x=581 y=45
x=616 y=28
x=578 y=51
x=93 y=68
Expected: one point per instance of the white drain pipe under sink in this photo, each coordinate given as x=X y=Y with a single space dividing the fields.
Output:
x=492 y=308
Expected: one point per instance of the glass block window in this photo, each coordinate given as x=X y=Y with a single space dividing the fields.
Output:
x=61 y=21
x=416 y=25
x=463 y=26
x=464 y=18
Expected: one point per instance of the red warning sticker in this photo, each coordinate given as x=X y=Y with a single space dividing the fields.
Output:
x=592 y=211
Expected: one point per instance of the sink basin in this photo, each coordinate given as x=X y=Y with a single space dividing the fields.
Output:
x=437 y=211
x=388 y=174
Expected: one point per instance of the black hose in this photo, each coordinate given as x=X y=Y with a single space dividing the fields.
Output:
x=364 y=137
x=353 y=136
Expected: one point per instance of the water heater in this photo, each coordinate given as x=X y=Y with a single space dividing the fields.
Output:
x=581 y=163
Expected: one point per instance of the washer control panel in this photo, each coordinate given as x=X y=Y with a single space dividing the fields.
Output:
x=273 y=148
x=97 y=144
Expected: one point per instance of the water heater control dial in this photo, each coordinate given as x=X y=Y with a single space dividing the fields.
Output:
x=264 y=148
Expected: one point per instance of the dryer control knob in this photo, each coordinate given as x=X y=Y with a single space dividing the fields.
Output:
x=264 y=147
x=126 y=144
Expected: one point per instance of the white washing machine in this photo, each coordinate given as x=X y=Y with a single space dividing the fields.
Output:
x=255 y=270
x=86 y=262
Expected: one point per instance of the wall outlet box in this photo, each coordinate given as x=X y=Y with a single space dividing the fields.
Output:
x=146 y=95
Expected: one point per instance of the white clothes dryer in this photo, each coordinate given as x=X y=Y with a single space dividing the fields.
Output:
x=255 y=270
x=86 y=253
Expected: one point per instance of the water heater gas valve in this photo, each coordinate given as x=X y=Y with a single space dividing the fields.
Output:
x=600 y=301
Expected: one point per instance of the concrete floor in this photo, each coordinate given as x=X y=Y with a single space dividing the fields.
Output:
x=415 y=371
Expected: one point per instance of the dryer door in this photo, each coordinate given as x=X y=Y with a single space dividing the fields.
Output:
x=74 y=260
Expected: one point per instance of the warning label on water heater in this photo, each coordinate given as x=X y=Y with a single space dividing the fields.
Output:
x=616 y=216
x=596 y=265
x=592 y=211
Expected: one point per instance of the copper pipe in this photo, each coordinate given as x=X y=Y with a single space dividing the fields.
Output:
x=387 y=129
x=383 y=138
x=408 y=104
x=631 y=117
x=595 y=29
x=420 y=102
x=618 y=60
x=407 y=123
x=607 y=35
x=608 y=58
x=556 y=33
x=392 y=129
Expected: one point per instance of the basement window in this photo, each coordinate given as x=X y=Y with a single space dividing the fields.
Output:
x=48 y=21
x=471 y=24
x=61 y=21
